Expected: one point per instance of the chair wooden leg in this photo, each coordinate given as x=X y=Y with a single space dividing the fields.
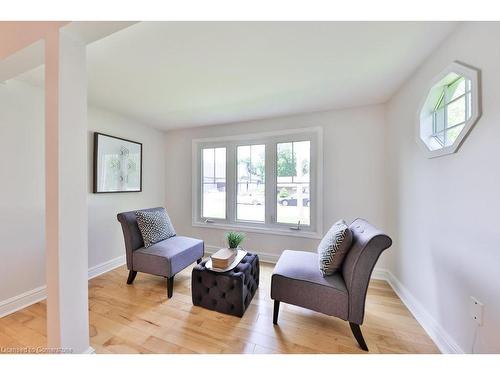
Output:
x=356 y=331
x=276 y=311
x=170 y=286
x=131 y=277
x=198 y=261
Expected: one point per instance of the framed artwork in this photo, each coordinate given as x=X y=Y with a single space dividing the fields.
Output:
x=117 y=164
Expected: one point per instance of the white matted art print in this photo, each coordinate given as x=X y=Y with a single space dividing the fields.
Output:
x=117 y=164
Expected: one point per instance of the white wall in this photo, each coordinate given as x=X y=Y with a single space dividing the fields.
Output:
x=22 y=189
x=22 y=199
x=105 y=234
x=445 y=211
x=353 y=174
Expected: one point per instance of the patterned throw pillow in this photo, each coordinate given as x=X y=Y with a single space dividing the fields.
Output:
x=155 y=226
x=333 y=248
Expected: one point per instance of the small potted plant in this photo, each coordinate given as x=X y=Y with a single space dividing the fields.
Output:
x=224 y=257
x=234 y=239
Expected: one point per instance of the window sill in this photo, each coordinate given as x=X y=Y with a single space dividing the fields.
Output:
x=262 y=230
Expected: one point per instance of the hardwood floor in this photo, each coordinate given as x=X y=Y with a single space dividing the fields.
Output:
x=139 y=318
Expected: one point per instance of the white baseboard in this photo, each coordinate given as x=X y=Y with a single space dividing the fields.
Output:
x=380 y=274
x=22 y=300
x=107 y=266
x=436 y=332
x=31 y=297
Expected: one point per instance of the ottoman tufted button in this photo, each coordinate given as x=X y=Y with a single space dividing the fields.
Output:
x=220 y=292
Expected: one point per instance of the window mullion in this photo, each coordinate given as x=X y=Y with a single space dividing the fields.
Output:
x=451 y=127
x=458 y=97
x=314 y=195
x=466 y=96
x=445 y=114
x=270 y=181
x=231 y=183
x=214 y=181
x=199 y=183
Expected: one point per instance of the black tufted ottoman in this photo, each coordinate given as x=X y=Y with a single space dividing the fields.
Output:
x=228 y=292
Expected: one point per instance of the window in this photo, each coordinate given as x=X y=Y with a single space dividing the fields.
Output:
x=452 y=110
x=293 y=182
x=449 y=111
x=259 y=182
x=251 y=194
x=214 y=183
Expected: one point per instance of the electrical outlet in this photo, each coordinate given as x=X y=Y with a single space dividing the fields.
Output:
x=476 y=311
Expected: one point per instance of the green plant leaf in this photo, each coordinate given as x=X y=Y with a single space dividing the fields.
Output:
x=234 y=239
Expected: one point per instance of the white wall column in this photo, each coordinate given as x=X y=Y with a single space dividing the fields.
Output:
x=66 y=192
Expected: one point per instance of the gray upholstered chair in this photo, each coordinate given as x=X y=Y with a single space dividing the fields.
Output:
x=297 y=279
x=165 y=258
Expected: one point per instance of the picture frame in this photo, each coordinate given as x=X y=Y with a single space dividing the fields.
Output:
x=117 y=165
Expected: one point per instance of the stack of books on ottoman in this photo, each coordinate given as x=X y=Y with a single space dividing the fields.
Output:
x=223 y=258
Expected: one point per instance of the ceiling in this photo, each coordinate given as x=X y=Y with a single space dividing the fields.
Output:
x=186 y=74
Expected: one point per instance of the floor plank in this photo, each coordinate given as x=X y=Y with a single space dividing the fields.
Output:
x=139 y=318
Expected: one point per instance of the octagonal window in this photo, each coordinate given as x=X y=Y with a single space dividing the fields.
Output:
x=450 y=109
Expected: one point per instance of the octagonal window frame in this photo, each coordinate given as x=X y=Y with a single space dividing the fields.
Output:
x=469 y=73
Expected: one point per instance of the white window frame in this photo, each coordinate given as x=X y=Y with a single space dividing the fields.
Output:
x=270 y=139
x=424 y=124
